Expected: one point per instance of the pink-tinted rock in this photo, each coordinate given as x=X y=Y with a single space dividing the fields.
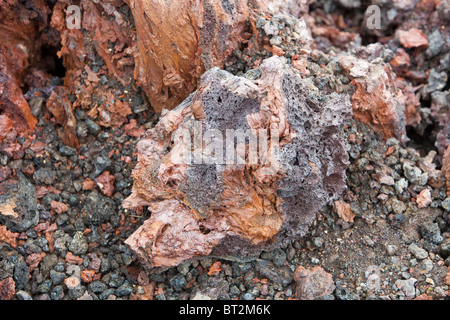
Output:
x=6 y=125
x=59 y=207
x=105 y=182
x=72 y=282
x=34 y=259
x=20 y=24
x=5 y=173
x=313 y=284
x=8 y=236
x=412 y=38
x=7 y=289
x=61 y=108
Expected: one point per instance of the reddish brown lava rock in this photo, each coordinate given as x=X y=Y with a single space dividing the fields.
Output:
x=34 y=259
x=401 y=63
x=6 y=125
x=412 y=38
x=376 y=102
x=19 y=44
x=446 y=168
x=59 y=207
x=224 y=208
x=61 y=108
x=5 y=173
x=88 y=184
x=313 y=284
x=106 y=34
x=87 y=276
x=424 y=198
x=7 y=289
x=72 y=259
x=344 y=211
x=105 y=182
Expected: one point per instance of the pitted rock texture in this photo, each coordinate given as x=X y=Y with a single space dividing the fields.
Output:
x=227 y=209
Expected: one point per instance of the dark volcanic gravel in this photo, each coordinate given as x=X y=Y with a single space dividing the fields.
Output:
x=84 y=238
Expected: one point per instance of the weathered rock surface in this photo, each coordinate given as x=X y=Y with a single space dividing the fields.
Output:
x=224 y=208
x=7 y=289
x=446 y=169
x=179 y=40
x=61 y=108
x=377 y=101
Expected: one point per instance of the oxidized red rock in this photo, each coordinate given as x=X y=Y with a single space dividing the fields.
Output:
x=34 y=259
x=446 y=168
x=412 y=38
x=424 y=198
x=179 y=40
x=21 y=39
x=8 y=236
x=107 y=32
x=59 y=207
x=5 y=173
x=376 y=102
x=72 y=259
x=344 y=211
x=227 y=208
x=61 y=108
x=87 y=276
x=6 y=125
x=105 y=182
x=7 y=289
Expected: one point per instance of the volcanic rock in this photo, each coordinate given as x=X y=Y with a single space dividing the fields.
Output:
x=313 y=284
x=377 y=101
x=446 y=169
x=18 y=204
x=253 y=198
x=179 y=40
